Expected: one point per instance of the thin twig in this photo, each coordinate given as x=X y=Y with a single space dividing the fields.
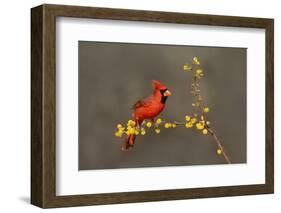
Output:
x=219 y=145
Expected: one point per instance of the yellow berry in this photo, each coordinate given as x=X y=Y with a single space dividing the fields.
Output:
x=132 y=131
x=208 y=122
x=186 y=67
x=187 y=118
x=119 y=126
x=199 y=72
x=148 y=124
x=193 y=120
x=174 y=125
x=127 y=132
x=157 y=131
x=158 y=121
x=205 y=131
x=118 y=134
x=199 y=126
x=131 y=123
x=129 y=127
x=196 y=61
x=143 y=132
x=189 y=125
x=167 y=125
x=206 y=109
x=219 y=151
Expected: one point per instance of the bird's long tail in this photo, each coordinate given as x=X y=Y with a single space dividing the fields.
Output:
x=129 y=142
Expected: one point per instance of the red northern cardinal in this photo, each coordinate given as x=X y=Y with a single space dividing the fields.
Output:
x=148 y=109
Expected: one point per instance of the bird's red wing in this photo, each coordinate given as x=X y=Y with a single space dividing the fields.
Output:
x=139 y=104
x=143 y=103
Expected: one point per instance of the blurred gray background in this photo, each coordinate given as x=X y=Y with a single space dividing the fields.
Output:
x=113 y=76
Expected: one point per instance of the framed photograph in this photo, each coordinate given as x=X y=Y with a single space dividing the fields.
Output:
x=135 y=106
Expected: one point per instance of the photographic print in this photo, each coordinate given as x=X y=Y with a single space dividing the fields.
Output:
x=153 y=105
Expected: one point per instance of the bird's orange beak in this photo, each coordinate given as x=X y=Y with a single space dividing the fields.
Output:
x=167 y=93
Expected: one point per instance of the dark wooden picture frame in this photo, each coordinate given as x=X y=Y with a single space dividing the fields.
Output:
x=43 y=105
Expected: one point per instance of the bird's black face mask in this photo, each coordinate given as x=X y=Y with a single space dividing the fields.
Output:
x=164 y=95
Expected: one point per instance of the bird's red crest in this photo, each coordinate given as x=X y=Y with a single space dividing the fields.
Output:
x=157 y=85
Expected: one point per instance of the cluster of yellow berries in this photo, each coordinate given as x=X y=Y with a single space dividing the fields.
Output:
x=201 y=125
x=198 y=72
x=132 y=129
x=188 y=67
x=170 y=125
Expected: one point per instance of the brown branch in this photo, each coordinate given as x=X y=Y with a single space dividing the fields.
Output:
x=219 y=145
x=198 y=100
